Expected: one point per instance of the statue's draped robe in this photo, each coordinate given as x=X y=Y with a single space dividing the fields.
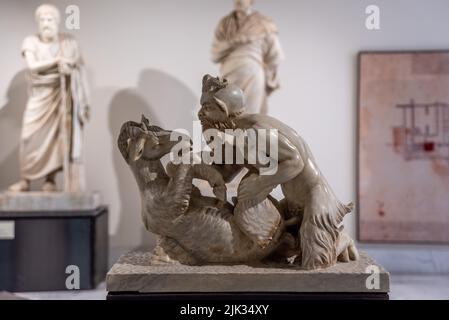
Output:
x=42 y=146
x=248 y=49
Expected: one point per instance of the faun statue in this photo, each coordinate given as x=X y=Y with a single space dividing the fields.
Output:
x=193 y=229
x=305 y=227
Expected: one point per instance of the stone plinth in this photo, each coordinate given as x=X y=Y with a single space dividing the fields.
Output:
x=132 y=273
x=48 y=201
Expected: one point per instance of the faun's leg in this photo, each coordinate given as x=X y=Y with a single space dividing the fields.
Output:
x=318 y=232
x=346 y=249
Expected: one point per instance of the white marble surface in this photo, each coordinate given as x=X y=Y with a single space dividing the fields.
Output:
x=402 y=287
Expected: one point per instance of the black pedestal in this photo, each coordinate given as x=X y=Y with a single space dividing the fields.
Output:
x=43 y=244
x=244 y=296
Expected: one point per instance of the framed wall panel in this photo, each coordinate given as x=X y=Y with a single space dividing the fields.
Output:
x=403 y=147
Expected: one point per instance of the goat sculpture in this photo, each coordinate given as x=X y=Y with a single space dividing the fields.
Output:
x=192 y=229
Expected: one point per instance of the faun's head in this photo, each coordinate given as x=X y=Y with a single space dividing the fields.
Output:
x=142 y=141
x=48 y=17
x=221 y=102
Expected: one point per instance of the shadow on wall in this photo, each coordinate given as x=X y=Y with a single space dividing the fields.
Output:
x=166 y=102
x=11 y=115
x=174 y=103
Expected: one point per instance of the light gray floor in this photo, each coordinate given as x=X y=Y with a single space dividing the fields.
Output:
x=433 y=287
x=402 y=287
x=97 y=294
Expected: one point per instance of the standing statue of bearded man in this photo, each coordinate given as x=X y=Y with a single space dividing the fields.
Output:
x=247 y=47
x=57 y=106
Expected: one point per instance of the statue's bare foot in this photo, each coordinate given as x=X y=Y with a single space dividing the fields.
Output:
x=49 y=186
x=21 y=186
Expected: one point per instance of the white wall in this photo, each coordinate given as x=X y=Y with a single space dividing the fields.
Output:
x=149 y=56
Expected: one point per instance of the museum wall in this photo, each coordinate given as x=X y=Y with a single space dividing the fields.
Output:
x=149 y=56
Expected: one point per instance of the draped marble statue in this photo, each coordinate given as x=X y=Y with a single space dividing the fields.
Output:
x=247 y=47
x=57 y=108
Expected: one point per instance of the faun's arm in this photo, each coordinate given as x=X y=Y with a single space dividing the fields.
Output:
x=204 y=172
x=289 y=164
x=228 y=171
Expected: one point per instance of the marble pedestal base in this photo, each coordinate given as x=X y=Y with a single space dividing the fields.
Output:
x=48 y=201
x=133 y=278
